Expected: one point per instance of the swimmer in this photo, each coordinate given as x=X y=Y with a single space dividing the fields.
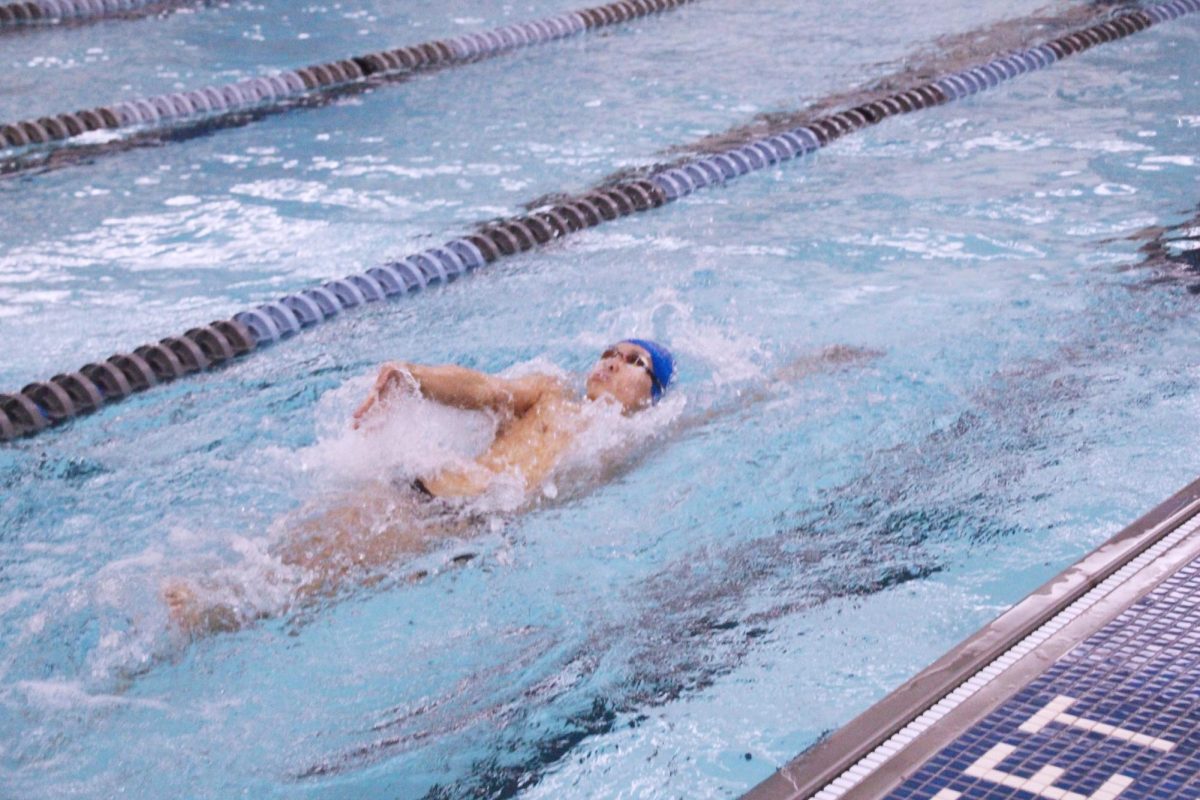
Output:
x=539 y=417
x=360 y=541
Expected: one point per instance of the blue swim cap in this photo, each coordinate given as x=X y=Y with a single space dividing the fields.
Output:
x=663 y=363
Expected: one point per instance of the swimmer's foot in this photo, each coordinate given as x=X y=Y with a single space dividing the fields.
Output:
x=181 y=604
x=192 y=616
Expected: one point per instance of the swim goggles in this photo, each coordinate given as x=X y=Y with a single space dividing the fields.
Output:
x=636 y=359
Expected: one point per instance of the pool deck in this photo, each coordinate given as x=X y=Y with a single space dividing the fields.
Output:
x=1088 y=689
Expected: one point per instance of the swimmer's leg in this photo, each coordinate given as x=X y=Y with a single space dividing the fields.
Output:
x=364 y=537
x=357 y=539
x=356 y=534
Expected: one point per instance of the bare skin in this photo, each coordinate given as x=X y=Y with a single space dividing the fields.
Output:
x=539 y=416
x=539 y=419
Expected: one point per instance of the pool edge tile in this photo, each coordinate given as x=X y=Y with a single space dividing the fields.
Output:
x=815 y=769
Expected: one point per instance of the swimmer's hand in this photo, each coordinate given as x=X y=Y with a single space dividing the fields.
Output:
x=825 y=360
x=391 y=374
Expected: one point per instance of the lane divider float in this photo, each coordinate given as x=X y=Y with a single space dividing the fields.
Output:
x=290 y=87
x=41 y=405
x=32 y=12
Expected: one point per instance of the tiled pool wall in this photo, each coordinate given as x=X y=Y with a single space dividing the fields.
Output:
x=1099 y=701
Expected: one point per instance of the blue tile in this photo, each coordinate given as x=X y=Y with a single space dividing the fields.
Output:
x=1140 y=672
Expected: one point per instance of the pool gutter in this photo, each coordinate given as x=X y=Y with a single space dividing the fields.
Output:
x=828 y=761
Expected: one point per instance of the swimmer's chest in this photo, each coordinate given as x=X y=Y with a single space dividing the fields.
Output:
x=534 y=442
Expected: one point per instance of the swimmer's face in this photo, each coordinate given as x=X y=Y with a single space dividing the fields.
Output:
x=623 y=374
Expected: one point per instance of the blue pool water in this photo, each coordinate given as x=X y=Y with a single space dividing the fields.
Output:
x=746 y=576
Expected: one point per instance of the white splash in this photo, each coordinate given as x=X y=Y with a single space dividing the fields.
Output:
x=73 y=695
x=412 y=437
x=1181 y=161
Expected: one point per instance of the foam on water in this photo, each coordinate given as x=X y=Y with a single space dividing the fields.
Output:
x=410 y=438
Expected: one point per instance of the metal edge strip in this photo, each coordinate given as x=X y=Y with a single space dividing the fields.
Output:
x=824 y=763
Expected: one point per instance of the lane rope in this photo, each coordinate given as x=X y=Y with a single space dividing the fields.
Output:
x=43 y=404
x=292 y=87
x=38 y=12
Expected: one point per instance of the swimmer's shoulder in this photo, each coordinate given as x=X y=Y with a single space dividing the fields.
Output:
x=538 y=390
x=553 y=389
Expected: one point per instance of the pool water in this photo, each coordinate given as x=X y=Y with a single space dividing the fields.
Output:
x=674 y=616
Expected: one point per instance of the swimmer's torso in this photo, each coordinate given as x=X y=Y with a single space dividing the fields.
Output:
x=527 y=447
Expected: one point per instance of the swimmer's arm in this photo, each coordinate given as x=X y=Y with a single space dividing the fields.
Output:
x=460 y=387
x=790 y=372
x=466 y=388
